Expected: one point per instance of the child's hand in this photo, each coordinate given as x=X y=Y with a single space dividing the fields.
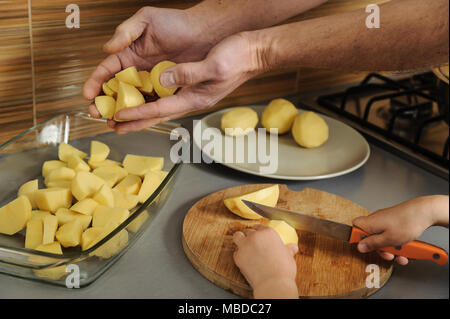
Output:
x=266 y=263
x=401 y=224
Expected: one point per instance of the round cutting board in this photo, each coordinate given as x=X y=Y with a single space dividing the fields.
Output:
x=327 y=268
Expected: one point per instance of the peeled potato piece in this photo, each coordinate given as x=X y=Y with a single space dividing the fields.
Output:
x=287 y=233
x=52 y=199
x=147 y=86
x=107 y=90
x=106 y=105
x=128 y=96
x=15 y=215
x=50 y=223
x=129 y=185
x=54 y=273
x=155 y=75
x=113 y=84
x=66 y=150
x=49 y=166
x=129 y=75
x=28 y=189
x=310 y=130
x=69 y=235
x=239 y=121
x=65 y=215
x=141 y=165
x=279 y=114
x=34 y=233
x=77 y=164
x=99 y=151
x=267 y=196
x=103 y=215
x=86 y=184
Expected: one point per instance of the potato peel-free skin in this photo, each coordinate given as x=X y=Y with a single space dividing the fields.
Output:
x=239 y=121
x=279 y=114
x=310 y=130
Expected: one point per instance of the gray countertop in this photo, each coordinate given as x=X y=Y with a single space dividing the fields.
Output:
x=156 y=266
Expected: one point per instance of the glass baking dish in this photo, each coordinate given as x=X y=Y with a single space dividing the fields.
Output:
x=21 y=160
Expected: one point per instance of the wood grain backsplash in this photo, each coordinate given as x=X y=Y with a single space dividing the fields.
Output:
x=43 y=64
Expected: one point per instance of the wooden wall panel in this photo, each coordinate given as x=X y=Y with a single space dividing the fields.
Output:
x=63 y=58
x=16 y=100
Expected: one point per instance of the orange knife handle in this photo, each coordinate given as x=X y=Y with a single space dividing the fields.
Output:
x=412 y=250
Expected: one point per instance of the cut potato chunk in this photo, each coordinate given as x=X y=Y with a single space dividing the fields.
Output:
x=65 y=216
x=266 y=196
x=113 y=245
x=113 y=84
x=151 y=182
x=111 y=174
x=104 y=196
x=52 y=199
x=129 y=185
x=99 y=151
x=69 y=234
x=77 y=164
x=89 y=236
x=106 y=106
x=14 y=216
x=107 y=90
x=103 y=215
x=39 y=214
x=28 y=189
x=34 y=233
x=287 y=233
x=122 y=200
x=137 y=223
x=155 y=75
x=50 y=223
x=147 y=86
x=130 y=76
x=54 y=273
x=279 y=114
x=128 y=96
x=60 y=174
x=141 y=165
x=106 y=162
x=49 y=166
x=66 y=150
x=86 y=184
x=239 y=121
x=59 y=184
x=85 y=206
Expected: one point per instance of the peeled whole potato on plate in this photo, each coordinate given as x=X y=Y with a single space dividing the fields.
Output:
x=279 y=114
x=310 y=130
x=239 y=121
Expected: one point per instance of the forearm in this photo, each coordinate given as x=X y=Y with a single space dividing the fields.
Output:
x=277 y=288
x=440 y=210
x=412 y=34
x=222 y=18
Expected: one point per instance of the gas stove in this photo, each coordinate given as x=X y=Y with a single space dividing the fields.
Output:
x=403 y=114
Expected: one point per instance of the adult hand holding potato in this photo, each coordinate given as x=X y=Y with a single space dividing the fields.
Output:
x=149 y=36
x=229 y=64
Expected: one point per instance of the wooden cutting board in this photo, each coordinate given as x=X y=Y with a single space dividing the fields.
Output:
x=327 y=268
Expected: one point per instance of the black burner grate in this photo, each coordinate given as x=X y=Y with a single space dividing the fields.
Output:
x=410 y=99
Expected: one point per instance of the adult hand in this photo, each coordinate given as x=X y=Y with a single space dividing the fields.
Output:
x=229 y=64
x=148 y=37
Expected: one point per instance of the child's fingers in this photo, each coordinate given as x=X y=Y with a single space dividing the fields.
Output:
x=238 y=237
x=374 y=242
x=385 y=255
x=403 y=261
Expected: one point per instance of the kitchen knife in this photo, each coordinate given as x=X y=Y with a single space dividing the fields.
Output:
x=413 y=250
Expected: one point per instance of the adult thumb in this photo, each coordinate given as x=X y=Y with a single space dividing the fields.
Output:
x=184 y=74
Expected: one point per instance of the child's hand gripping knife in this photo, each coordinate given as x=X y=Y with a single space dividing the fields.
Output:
x=266 y=263
x=402 y=223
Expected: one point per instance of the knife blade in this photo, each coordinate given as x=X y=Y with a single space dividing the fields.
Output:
x=412 y=250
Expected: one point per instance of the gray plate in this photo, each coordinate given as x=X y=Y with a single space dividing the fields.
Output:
x=345 y=151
